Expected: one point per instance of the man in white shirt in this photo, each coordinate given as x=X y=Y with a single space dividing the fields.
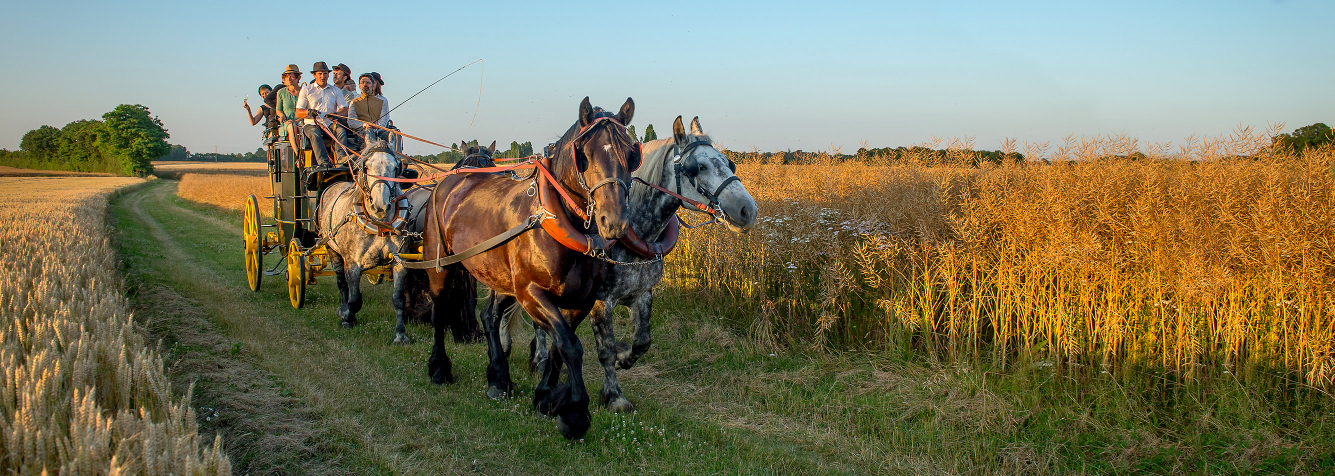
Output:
x=317 y=99
x=369 y=107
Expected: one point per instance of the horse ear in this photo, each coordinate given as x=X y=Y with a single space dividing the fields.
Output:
x=585 y=112
x=678 y=131
x=627 y=112
x=634 y=157
x=581 y=161
x=695 y=126
x=492 y=150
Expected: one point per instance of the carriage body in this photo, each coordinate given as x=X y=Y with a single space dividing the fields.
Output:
x=297 y=184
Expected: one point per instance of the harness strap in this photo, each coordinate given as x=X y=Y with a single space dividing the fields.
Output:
x=475 y=250
x=703 y=207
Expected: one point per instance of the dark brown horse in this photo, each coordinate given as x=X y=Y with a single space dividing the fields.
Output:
x=556 y=284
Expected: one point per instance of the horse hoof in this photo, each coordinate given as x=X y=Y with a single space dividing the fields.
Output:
x=573 y=425
x=441 y=377
x=402 y=339
x=625 y=363
x=621 y=405
x=440 y=371
x=496 y=393
x=348 y=324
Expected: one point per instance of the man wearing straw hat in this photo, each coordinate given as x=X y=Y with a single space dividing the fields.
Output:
x=317 y=100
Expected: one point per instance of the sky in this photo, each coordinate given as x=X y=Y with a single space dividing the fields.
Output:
x=771 y=75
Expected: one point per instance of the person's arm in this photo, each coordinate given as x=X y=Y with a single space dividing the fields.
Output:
x=254 y=118
x=303 y=103
x=384 y=112
x=352 y=119
x=278 y=107
x=340 y=104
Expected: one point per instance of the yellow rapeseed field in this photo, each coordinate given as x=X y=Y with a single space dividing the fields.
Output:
x=83 y=392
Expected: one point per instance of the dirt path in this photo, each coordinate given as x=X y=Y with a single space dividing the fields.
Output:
x=293 y=392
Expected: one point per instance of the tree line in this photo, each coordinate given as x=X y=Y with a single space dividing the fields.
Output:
x=451 y=156
x=877 y=156
x=124 y=142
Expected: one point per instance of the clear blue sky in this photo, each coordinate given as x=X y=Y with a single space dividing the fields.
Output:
x=773 y=75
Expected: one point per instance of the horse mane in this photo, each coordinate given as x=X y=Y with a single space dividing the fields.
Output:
x=652 y=164
x=561 y=148
x=378 y=145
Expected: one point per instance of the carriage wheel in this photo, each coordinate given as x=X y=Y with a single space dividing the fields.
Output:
x=250 y=230
x=376 y=278
x=296 y=274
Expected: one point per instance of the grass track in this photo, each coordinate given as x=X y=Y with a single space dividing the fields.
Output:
x=336 y=401
x=375 y=403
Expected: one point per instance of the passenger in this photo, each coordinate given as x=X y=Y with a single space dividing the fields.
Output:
x=266 y=113
x=286 y=106
x=342 y=78
x=370 y=107
x=317 y=100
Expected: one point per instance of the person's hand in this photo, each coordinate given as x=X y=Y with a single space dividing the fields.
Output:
x=245 y=103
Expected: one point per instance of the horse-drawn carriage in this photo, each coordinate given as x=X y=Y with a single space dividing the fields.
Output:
x=297 y=183
x=562 y=240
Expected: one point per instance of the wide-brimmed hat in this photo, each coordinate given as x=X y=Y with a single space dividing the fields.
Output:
x=345 y=68
x=320 y=67
x=375 y=77
x=292 y=68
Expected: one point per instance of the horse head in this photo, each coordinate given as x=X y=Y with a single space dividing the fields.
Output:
x=378 y=160
x=713 y=176
x=476 y=155
x=596 y=157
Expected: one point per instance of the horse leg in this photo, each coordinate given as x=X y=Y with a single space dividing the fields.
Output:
x=640 y=311
x=438 y=366
x=499 y=384
x=336 y=264
x=400 y=296
x=354 y=286
x=600 y=318
x=537 y=349
x=569 y=401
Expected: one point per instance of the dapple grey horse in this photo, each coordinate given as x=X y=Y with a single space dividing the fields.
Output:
x=362 y=224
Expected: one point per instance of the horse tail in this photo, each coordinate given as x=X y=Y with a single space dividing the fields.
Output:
x=461 y=288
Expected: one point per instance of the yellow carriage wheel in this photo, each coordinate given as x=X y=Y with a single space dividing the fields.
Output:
x=250 y=230
x=296 y=274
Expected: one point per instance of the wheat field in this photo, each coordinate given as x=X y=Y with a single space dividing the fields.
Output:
x=83 y=391
x=1219 y=258
x=1102 y=253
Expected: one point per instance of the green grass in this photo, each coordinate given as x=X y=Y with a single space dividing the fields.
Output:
x=710 y=400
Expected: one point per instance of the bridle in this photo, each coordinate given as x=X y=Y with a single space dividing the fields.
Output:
x=684 y=164
x=589 y=190
x=364 y=182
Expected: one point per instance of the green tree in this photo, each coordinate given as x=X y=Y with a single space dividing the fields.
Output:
x=1315 y=135
x=178 y=152
x=80 y=146
x=134 y=139
x=631 y=130
x=42 y=143
x=649 y=133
